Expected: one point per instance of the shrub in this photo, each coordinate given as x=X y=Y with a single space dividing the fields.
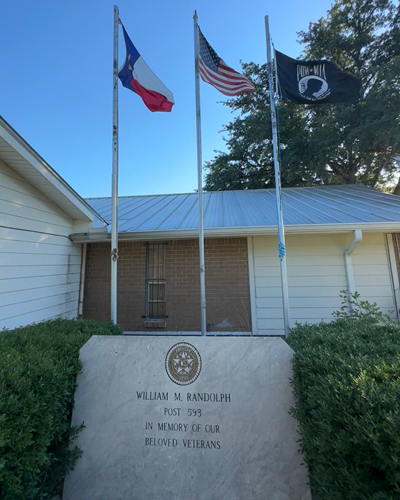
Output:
x=347 y=401
x=38 y=369
x=355 y=308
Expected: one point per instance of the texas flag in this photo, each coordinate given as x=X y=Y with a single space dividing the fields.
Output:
x=138 y=77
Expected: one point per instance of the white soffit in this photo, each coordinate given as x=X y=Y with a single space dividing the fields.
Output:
x=23 y=159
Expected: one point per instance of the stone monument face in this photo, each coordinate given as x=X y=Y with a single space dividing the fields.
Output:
x=186 y=418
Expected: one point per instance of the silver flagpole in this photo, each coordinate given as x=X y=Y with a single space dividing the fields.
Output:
x=199 y=178
x=281 y=230
x=114 y=194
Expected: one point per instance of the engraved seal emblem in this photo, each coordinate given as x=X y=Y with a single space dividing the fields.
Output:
x=183 y=363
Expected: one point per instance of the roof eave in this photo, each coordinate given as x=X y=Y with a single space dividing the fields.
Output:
x=237 y=232
x=19 y=144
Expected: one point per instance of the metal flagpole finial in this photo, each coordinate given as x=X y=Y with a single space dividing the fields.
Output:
x=195 y=15
x=116 y=10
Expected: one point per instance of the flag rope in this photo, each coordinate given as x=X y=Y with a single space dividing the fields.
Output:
x=114 y=188
x=203 y=314
x=279 y=213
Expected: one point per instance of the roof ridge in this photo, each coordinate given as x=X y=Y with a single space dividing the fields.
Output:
x=327 y=186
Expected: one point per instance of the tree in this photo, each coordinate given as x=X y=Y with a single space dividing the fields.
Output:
x=323 y=144
x=249 y=162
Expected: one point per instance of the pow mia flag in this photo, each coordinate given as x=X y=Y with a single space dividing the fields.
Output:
x=315 y=82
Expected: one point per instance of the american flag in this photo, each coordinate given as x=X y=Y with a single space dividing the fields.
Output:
x=216 y=72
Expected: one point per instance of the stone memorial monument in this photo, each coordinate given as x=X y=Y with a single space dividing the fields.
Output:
x=186 y=418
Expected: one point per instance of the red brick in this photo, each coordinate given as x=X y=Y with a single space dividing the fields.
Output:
x=227 y=284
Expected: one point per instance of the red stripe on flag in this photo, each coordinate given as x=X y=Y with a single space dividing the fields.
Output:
x=225 y=88
x=225 y=91
x=216 y=80
x=224 y=77
x=153 y=100
x=225 y=70
x=224 y=81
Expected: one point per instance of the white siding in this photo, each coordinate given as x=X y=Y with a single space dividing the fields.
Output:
x=39 y=265
x=316 y=275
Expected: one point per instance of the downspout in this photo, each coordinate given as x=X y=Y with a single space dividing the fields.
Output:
x=351 y=287
x=394 y=277
x=82 y=281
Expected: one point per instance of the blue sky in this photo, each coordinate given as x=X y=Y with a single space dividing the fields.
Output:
x=56 y=82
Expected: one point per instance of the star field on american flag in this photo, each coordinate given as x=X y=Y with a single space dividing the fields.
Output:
x=216 y=72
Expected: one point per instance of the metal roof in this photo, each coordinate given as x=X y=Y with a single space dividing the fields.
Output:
x=308 y=206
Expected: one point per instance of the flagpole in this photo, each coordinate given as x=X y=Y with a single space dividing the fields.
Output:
x=199 y=179
x=281 y=230
x=114 y=193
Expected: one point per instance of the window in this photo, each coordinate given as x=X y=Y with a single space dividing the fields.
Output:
x=155 y=281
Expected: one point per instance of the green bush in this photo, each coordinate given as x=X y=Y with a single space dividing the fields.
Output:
x=347 y=401
x=38 y=368
x=353 y=307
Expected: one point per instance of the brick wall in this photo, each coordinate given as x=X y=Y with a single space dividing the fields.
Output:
x=227 y=284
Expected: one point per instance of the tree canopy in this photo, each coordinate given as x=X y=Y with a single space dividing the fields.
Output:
x=330 y=143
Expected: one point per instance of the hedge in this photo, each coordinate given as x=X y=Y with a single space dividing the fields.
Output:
x=38 y=368
x=347 y=400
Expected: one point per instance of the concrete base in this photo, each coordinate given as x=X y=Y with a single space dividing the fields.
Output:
x=199 y=418
x=156 y=333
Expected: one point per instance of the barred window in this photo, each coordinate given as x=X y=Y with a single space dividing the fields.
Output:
x=155 y=281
